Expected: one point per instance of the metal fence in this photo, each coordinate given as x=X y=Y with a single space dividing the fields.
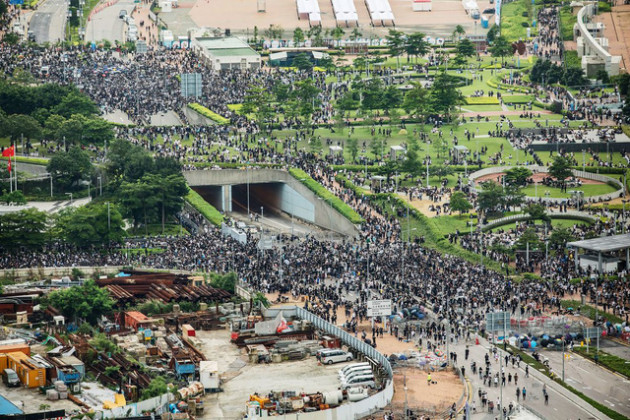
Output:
x=520 y=217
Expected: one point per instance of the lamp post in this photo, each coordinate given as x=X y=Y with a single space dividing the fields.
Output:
x=623 y=216
x=100 y=185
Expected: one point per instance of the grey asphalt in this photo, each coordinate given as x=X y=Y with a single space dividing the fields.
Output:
x=107 y=25
x=595 y=382
x=48 y=21
x=562 y=403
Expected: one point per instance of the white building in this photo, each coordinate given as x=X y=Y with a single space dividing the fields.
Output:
x=226 y=53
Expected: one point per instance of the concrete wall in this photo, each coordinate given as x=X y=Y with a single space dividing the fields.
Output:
x=591 y=47
x=309 y=207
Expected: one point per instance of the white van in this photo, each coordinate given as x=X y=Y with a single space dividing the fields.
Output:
x=364 y=381
x=355 y=374
x=336 y=356
x=344 y=370
x=366 y=369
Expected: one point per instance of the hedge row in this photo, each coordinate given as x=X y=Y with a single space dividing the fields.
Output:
x=25 y=159
x=612 y=362
x=234 y=165
x=205 y=208
x=481 y=100
x=202 y=110
x=322 y=192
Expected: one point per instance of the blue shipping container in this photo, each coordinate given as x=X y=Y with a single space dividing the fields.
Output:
x=484 y=22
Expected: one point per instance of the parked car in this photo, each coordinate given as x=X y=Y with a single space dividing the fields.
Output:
x=355 y=366
x=10 y=378
x=362 y=381
x=336 y=356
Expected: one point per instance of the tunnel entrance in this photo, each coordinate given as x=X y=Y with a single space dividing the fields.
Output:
x=212 y=194
x=268 y=196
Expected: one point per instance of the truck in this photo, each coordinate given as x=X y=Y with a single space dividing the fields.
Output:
x=209 y=375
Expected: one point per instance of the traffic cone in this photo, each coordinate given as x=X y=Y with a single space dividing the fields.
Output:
x=477 y=341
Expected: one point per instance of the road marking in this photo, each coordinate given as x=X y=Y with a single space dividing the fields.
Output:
x=611 y=404
x=582 y=369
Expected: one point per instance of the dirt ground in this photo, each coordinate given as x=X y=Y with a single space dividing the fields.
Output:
x=435 y=397
x=242 y=15
x=618 y=31
x=537 y=177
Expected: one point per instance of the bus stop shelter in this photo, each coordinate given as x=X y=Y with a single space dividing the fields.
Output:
x=600 y=246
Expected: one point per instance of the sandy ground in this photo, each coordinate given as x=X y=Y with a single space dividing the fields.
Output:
x=537 y=177
x=388 y=344
x=618 y=31
x=242 y=15
x=435 y=397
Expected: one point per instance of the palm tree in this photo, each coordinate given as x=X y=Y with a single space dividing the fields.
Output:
x=356 y=34
x=337 y=33
x=459 y=31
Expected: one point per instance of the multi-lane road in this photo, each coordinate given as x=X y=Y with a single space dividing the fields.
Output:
x=49 y=21
x=107 y=24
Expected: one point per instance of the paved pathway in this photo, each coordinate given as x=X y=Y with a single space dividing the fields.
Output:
x=46 y=206
x=107 y=25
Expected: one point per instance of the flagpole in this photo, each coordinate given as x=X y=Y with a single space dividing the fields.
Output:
x=15 y=164
x=10 y=175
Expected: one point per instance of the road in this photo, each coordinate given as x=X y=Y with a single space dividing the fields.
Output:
x=107 y=25
x=595 y=382
x=49 y=21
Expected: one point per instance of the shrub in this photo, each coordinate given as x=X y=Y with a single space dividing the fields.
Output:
x=525 y=24
x=206 y=209
x=571 y=59
x=525 y=14
x=202 y=110
x=481 y=100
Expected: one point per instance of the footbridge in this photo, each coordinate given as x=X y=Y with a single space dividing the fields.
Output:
x=267 y=191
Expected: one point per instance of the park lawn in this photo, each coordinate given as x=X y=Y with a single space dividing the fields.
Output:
x=512 y=20
x=616 y=158
x=567 y=20
x=445 y=225
x=589 y=190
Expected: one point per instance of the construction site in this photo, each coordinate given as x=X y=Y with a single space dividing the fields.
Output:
x=226 y=356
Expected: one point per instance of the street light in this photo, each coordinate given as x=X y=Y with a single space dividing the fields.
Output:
x=100 y=185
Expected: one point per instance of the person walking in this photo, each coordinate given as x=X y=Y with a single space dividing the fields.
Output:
x=524 y=392
x=516 y=379
x=518 y=394
x=429 y=379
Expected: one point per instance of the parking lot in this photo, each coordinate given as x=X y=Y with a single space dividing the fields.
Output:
x=244 y=379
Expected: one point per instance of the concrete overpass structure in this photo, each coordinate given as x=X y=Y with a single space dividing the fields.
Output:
x=276 y=191
x=592 y=47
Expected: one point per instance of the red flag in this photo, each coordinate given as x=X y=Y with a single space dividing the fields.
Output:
x=9 y=152
x=9 y=166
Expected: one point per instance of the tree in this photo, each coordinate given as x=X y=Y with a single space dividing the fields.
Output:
x=559 y=239
x=391 y=98
x=139 y=200
x=517 y=176
x=602 y=76
x=298 y=36
x=459 y=202
x=302 y=62
x=560 y=169
x=415 y=45
x=355 y=34
x=24 y=228
x=306 y=95
x=90 y=225
x=16 y=197
x=274 y=32
x=501 y=47
x=23 y=125
x=225 y=281
x=353 y=148
x=417 y=102
x=88 y=302
x=530 y=239
x=512 y=196
x=459 y=31
x=376 y=147
x=67 y=169
x=258 y=101
x=537 y=212
x=412 y=162
x=466 y=48
x=395 y=44
x=76 y=103
x=337 y=33
x=490 y=197
x=440 y=171
x=444 y=94
x=372 y=94
x=169 y=193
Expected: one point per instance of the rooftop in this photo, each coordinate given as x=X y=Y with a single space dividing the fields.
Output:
x=604 y=244
x=225 y=46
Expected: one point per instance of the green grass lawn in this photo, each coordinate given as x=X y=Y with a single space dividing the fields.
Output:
x=451 y=224
x=480 y=108
x=512 y=20
x=567 y=20
x=589 y=190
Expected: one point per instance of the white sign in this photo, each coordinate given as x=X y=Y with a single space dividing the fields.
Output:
x=379 y=307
